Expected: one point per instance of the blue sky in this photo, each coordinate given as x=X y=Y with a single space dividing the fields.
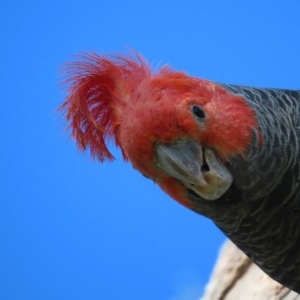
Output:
x=71 y=228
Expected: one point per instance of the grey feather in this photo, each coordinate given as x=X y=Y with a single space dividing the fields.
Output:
x=260 y=213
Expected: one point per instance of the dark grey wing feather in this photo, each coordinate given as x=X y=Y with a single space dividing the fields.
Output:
x=278 y=117
x=260 y=213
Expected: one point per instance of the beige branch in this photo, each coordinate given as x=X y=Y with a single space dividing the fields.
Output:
x=236 y=277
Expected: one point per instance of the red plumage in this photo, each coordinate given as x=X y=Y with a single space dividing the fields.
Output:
x=120 y=98
x=98 y=90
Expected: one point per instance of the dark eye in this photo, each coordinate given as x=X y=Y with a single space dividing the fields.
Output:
x=198 y=112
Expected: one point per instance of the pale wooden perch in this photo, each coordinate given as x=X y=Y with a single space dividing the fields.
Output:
x=236 y=277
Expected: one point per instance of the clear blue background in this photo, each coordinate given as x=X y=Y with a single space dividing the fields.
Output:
x=71 y=228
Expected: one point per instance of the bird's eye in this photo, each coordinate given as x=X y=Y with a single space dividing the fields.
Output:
x=198 y=112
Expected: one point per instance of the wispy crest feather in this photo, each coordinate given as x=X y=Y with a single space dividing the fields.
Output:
x=98 y=88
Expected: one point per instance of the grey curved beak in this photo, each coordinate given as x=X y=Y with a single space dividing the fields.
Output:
x=183 y=161
x=196 y=167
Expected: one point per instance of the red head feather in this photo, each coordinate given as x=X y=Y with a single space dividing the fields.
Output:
x=119 y=98
x=99 y=92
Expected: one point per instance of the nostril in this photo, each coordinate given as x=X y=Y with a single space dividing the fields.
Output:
x=205 y=168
